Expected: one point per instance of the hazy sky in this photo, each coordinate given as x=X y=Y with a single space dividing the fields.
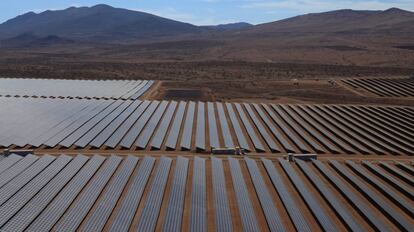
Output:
x=206 y=12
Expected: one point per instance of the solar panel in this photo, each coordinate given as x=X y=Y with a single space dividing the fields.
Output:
x=55 y=209
x=237 y=128
x=405 y=167
x=246 y=210
x=345 y=216
x=212 y=125
x=33 y=130
x=151 y=125
x=374 y=138
x=136 y=92
x=136 y=129
x=266 y=137
x=131 y=88
x=341 y=132
x=228 y=141
x=19 y=199
x=398 y=134
x=188 y=127
x=201 y=127
x=286 y=145
x=76 y=124
x=327 y=134
x=390 y=194
x=389 y=179
x=117 y=136
x=142 y=90
x=99 y=127
x=85 y=128
x=221 y=202
x=250 y=131
x=384 y=137
x=346 y=128
x=74 y=88
x=403 y=176
x=77 y=212
x=355 y=201
x=198 y=213
x=289 y=203
x=163 y=127
x=151 y=210
x=299 y=131
x=321 y=138
x=39 y=111
x=68 y=120
x=400 y=117
x=172 y=139
x=125 y=214
x=308 y=197
x=39 y=202
x=175 y=207
x=16 y=169
x=13 y=186
x=114 y=125
x=393 y=215
x=272 y=215
x=104 y=207
x=288 y=132
x=399 y=122
x=54 y=123
x=8 y=161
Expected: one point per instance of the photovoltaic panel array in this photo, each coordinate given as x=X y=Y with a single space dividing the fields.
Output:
x=384 y=87
x=130 y=193
x=63 y=88
x=200 y=126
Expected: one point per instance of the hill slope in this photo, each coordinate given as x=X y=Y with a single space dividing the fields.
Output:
x=98 y=23
x=340 y=21
x=345 y=37
x=27 y=41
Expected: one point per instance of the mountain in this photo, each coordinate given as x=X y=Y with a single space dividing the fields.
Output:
x=28 y=40
x=98 y=23
x=19 y=41
x=103 y=23
x=347 y=37
x=340 y=21
x=229 y=26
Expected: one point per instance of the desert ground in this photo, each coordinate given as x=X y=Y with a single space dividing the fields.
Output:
x=215 y=80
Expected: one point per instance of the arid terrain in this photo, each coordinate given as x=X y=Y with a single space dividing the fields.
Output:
x=216 y=80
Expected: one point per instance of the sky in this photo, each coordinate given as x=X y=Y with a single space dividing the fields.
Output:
x=208 y=12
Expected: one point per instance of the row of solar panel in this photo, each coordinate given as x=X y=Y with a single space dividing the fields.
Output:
x=337 y=129
x=50 y=88
x=151 y=194
x=384 y=87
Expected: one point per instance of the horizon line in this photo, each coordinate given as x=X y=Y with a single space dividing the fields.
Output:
x=37 y=12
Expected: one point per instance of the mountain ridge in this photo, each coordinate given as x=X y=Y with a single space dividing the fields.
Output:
x=378 y=38
x=103 y=23
x=335 y=21
x=100 y=22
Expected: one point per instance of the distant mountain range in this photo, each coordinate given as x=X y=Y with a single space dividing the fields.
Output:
x=342 y=21
x=101 y=23
x=229 y=26
x=336 y=37
x=29 y=41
